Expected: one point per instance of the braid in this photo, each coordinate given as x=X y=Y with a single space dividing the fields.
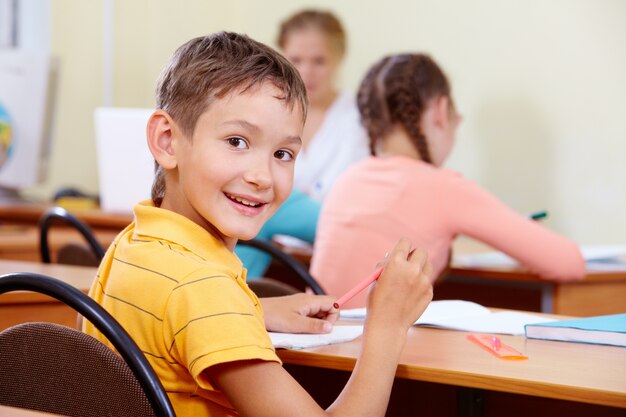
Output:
x=407 y=106
x=396 y=90
x=372 y=106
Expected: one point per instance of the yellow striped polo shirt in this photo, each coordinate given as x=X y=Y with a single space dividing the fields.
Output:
x=182 y=296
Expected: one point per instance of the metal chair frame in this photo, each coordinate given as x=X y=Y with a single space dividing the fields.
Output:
x=285 y=259
x=58 y=213
x=104 y=322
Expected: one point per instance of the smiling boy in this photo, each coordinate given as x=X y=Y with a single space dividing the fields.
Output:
x=225 y=137
x=237 y=168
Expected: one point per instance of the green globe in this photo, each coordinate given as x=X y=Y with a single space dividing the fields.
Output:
x=6 y=136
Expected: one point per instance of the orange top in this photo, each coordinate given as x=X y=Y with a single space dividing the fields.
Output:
x=380 y=200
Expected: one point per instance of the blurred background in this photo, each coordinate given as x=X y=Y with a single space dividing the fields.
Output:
x=541 y=84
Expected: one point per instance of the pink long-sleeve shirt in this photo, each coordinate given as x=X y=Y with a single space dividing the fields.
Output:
x=380 y=200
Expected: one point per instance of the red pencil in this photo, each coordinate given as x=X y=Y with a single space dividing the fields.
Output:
x=360 y=287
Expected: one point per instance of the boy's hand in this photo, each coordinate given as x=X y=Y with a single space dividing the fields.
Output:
x=299 y=313
x=404 y=289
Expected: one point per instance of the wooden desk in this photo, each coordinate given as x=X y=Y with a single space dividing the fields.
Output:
x=21 y=242
x=6 y=411
x=29 y=214
x=19 y=230
x=601 y=292
x=441 y=367
x=21 y=306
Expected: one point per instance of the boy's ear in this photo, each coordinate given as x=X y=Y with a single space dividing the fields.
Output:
x=159 y=133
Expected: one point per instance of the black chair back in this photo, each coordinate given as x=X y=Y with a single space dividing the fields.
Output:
x=104 y=322
x=299 y=270
x=54 y=368
x=58 y=213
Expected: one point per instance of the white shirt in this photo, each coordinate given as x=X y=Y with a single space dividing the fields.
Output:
x=339 y=142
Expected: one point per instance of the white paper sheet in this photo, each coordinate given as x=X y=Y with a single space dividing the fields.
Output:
x=466 y=316
x=603 y=252
x=439 y=309
x=503 y=322
x=604 y=266
x=485 y=259
x=339 y=334
x=608 y=254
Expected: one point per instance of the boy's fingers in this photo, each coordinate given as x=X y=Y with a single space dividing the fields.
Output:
x=313 y=325
x=428 y=270
x=331 y=317
x=384 y=261
x=401 y=249
x=318 y=306
x=418 y=257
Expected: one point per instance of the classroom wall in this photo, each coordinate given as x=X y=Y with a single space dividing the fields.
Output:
x=541 y=86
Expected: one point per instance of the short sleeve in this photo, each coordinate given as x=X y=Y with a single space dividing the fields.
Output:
x=211 y=319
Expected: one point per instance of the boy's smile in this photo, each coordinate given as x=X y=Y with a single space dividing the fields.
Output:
x=237 y=169
x=244 y=201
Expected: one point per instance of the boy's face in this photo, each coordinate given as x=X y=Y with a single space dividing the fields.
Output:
x=237 y=169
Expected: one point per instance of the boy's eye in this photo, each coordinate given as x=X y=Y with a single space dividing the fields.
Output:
x=283 y=155
x=238 y=142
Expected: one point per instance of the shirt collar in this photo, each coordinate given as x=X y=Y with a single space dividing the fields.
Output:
x=167 y=225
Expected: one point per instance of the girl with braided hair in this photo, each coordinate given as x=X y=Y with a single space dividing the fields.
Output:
x=402 y=190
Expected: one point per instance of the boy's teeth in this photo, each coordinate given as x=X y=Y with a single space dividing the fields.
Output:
x=245 y=202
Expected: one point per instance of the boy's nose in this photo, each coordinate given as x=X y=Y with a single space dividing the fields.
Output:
x=260 y=176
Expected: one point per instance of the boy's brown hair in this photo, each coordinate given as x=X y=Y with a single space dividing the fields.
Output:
x=396 y=90
x=210 y=67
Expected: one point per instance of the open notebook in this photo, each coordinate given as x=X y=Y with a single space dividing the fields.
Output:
x=466 y=316
x=301 y=341
x=446 y=314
